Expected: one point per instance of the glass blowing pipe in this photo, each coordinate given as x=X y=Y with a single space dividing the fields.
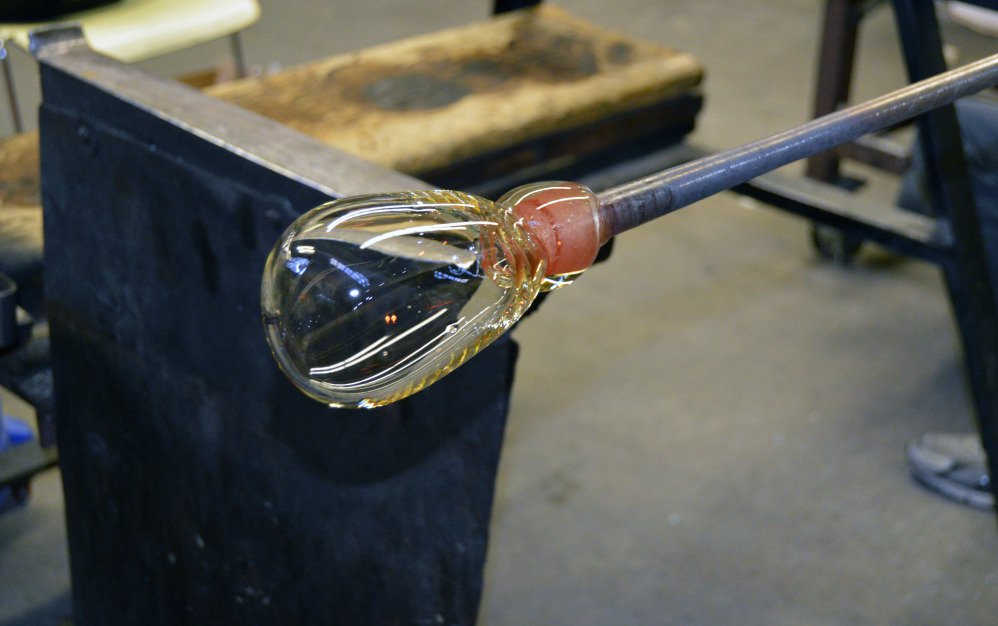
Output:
x=369 y=299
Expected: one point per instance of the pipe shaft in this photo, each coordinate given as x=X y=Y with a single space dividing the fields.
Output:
x=634 y=203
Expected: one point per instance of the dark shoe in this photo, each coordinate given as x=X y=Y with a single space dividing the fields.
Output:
x=954 y=467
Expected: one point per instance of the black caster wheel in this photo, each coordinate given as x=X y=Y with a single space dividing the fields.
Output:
x=835 y=245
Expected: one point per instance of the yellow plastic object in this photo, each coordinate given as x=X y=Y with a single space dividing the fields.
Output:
x=134 y=30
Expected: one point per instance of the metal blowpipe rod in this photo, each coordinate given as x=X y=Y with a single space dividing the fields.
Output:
x=634 y=203
x=369 y=299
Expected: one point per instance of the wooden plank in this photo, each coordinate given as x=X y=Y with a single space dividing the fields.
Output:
x=616 y=138
x=420 y=104
x=492 y=98
x=19 y=177
x=500 y=94
x=21 y=215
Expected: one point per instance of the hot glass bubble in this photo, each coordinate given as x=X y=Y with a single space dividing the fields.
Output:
x=368 y=299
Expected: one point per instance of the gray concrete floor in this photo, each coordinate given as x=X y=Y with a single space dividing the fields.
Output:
x=708 y=428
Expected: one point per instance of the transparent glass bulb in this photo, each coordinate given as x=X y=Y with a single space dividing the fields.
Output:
x=369 y=299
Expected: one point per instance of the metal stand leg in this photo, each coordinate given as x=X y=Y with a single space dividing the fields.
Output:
x=967 y=276
x=237 y=55
x=835 y=63
x=834 y=82
x=8 y=77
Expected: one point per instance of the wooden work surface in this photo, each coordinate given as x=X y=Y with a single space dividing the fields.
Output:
x=423 y=103
x=458 y=96
x=19 y=171
x=20 y=203
x=21 y=217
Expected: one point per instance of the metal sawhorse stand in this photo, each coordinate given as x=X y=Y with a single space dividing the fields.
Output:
x=952 y=240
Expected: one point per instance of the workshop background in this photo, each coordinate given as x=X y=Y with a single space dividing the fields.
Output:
x=709 y=428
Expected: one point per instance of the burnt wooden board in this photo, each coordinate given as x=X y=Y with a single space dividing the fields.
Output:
x=19 y=175
x=424 y=103
x=21 y=217
x=493 y=97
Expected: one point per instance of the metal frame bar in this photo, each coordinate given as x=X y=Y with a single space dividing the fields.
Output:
x=8 y=78
x=236 y=45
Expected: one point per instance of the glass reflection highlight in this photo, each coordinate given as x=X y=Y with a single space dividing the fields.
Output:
x=369 y=299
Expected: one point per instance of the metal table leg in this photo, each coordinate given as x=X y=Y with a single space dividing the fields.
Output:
x=8 y=78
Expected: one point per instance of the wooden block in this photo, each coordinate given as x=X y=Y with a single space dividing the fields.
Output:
x=424 y=103
x=19 y=171
x=20 y=210
x=21 y=213
x=461 y=105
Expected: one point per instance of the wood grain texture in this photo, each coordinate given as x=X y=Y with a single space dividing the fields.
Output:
x=458 y=97
x=419 y=104
x=19 y=175
x=21 y=213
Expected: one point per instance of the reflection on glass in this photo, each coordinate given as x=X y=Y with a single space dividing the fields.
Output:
x=369 y=299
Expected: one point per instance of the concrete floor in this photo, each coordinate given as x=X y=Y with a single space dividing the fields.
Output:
x=708 y=428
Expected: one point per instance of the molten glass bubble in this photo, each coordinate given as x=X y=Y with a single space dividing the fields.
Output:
x=369 y=299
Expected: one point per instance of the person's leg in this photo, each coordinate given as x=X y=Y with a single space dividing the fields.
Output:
x=953 y=465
